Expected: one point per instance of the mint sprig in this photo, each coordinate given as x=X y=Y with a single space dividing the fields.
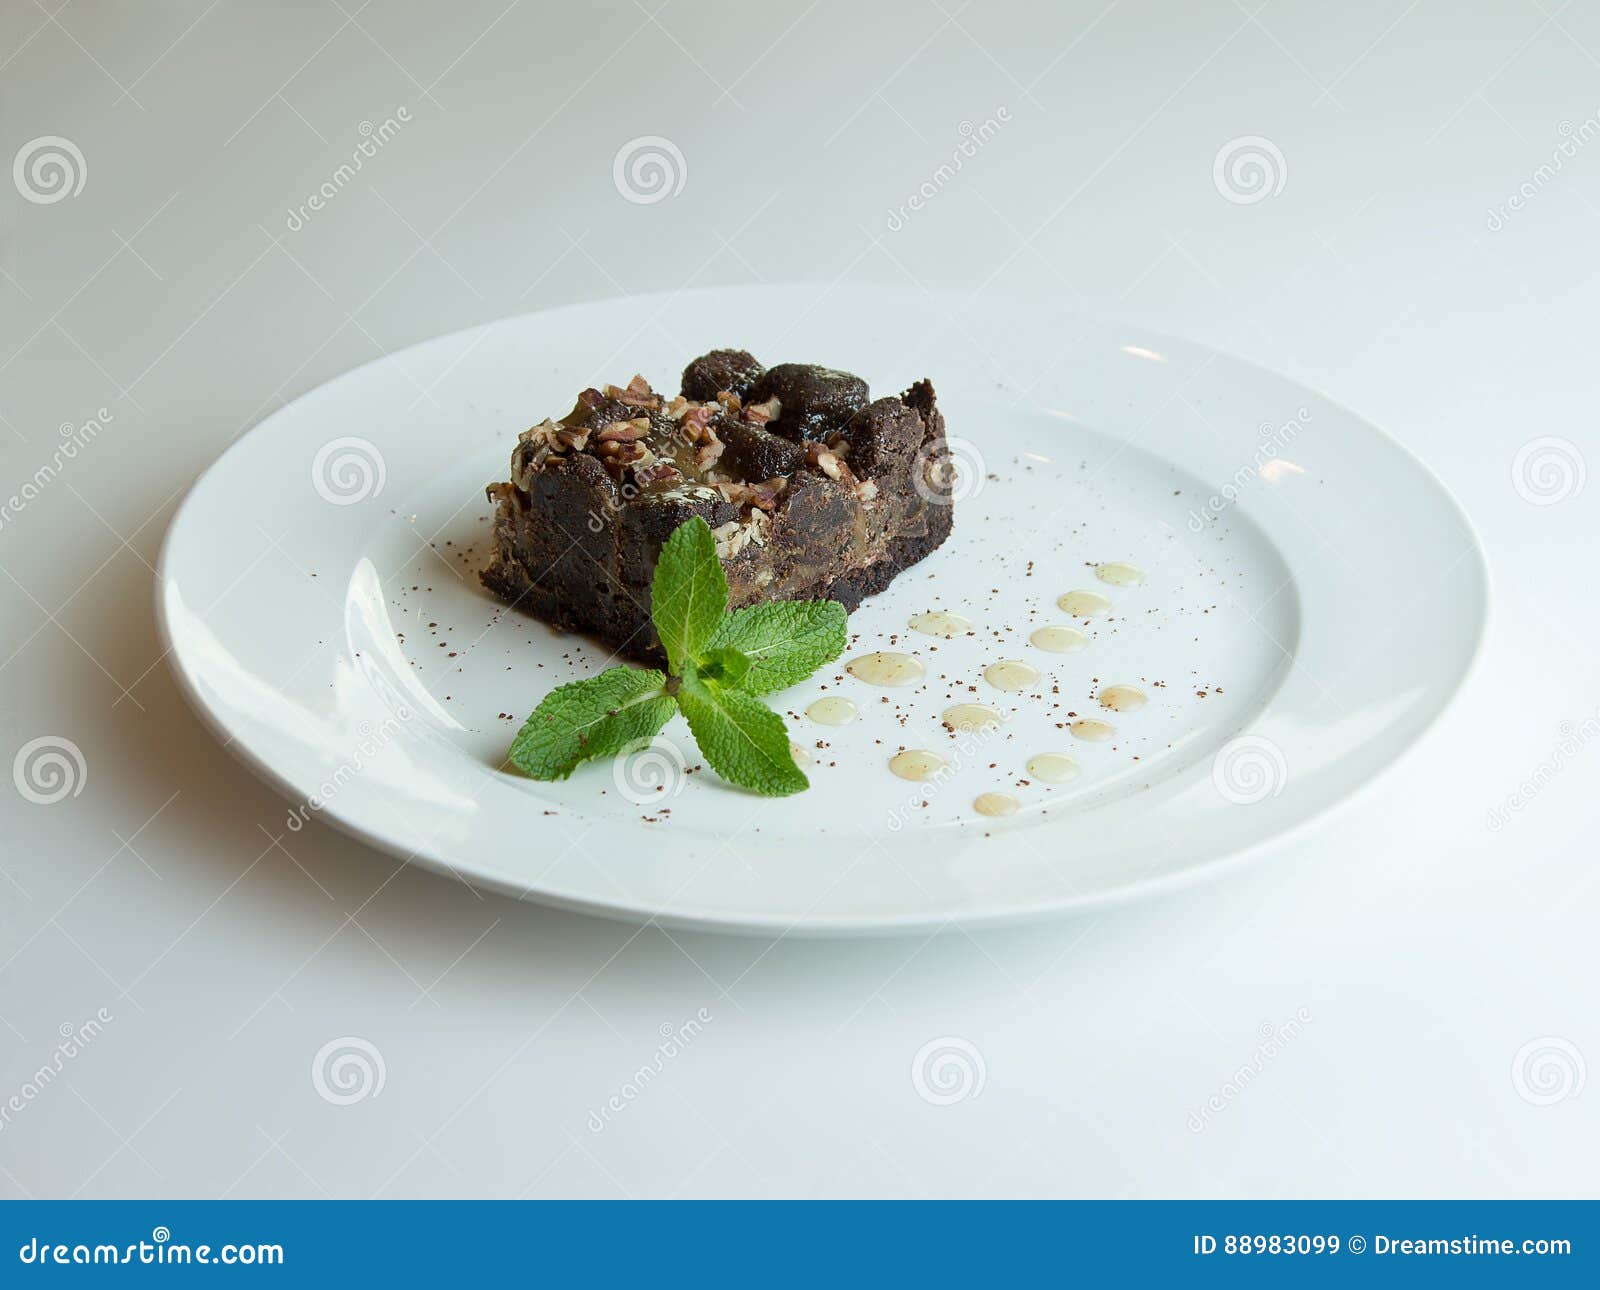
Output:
x=718 y=662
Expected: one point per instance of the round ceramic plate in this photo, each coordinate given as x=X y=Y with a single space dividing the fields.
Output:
x=320 y=599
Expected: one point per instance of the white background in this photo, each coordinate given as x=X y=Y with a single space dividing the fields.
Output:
x=1427 y=948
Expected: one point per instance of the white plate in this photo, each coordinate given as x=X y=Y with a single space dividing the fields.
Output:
x=1312 y=598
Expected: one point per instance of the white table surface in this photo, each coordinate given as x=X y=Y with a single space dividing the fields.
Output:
x=1426 y=949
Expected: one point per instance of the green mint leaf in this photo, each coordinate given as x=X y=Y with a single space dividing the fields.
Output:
x=728 y=666
x=745 y=741
x=785 y=641
x=596 y=717
x=689 y=594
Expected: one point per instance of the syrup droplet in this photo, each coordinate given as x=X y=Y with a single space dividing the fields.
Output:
x=885 y=668
x=995 y=804
x=916 y=764
x=800 y=755
x=971 y=716
x=1084 y=604
x=1121 y=698
x=1119 y=574
x=832 y=711
x=1059 y=640
x=1092 y=730
x=1052 y=768
x=939 y=622
x=1011 y=674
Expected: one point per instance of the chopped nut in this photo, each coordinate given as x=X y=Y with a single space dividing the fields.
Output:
x=824 y=460
x=731 y=539
x=763 y=495
x=536 y=444
x=697 y=421
x=656 y=472
x=624 y=431
x=707 y=454
x=759 y=414
x=829 y=463
x=617 y=456
x=637 y=394
x=867 y=490
x=735 y=535
x=731 y=402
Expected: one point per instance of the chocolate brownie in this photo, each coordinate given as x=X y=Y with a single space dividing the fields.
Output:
x=813 y=491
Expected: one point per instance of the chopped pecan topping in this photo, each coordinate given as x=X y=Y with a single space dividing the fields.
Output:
x=536 y=444
x=829 y=463
x=697 y=420
x=656 y=472
x=624 y=431
x=731 y=402
x=678 y=407
x=759 y=414
x=617 y=456
x=636 y=394
x=763 y=496
x=735 y=535
x=708 y=453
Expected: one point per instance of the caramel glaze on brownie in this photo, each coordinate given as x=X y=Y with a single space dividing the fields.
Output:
x=812 y=491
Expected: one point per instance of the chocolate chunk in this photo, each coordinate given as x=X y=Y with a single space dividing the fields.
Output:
x=721 y=369
x=753 y=453
x=816 y=401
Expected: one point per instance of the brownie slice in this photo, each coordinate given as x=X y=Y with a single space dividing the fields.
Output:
x=813 y=491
